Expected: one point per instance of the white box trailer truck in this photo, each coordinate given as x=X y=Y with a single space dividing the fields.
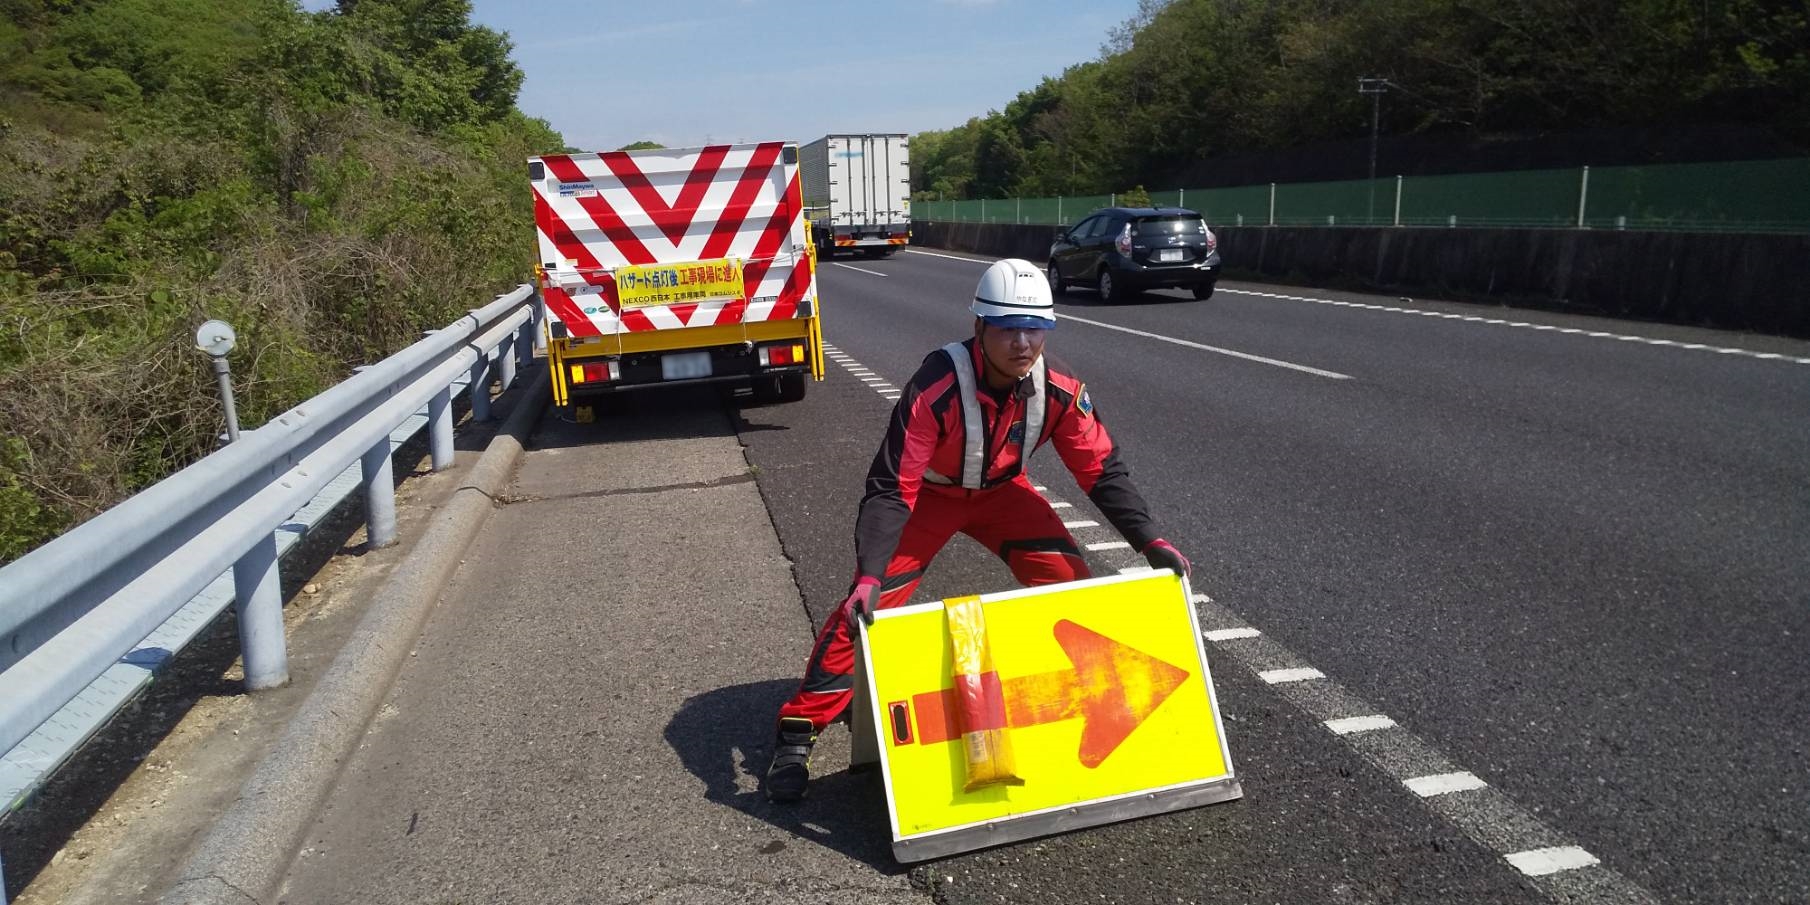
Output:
x=857 y=193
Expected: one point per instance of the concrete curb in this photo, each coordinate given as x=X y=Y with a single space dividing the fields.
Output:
x=247 y=853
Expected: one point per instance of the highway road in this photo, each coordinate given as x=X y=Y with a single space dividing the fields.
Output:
x=1560 y=565
x=1569 y=557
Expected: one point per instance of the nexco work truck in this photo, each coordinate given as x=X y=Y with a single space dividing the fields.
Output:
x=857 y=189
x=676 y=266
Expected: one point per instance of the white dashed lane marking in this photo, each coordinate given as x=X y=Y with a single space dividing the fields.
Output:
x=1542 y=861
x=1560 y=869
x=1443 y=784
x=1351 y=724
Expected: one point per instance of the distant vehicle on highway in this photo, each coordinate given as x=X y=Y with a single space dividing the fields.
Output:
x=1122 y=250
x=857 y=192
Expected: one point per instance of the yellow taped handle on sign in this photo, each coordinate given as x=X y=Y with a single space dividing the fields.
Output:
x=980 y=707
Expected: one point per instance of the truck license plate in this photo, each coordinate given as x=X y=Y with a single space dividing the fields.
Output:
x=1169 y=254
x=685 y=365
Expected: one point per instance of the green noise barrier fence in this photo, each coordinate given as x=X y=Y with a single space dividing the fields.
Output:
x=1767 y=196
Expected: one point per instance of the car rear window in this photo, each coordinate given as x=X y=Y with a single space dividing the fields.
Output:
x=1168 y=225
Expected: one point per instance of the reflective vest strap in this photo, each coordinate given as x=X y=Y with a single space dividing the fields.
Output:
x=973 y=438
x=1033 y=414
x=973 y=441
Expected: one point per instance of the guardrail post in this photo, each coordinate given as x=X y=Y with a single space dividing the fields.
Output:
x=258 y=596
x=505 y=360
x=1272 y=204
x=1583 y=194
x=1397 y=200
x=380 y=495
x=524 y=343
x=440 y=428
x=536 y=316
x=480 y=387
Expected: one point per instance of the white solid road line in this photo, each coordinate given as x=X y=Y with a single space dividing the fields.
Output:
x=1332 y=375
x=1573 y=331
x=933 y=254
x=861 y=269
x=1597 y=334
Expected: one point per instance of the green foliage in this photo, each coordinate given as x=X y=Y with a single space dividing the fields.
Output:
x=642 y=146
x=1137 y=197
x=330 y=183
x=1187 y=80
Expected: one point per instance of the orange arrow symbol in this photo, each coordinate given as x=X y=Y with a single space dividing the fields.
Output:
x=1112 y=688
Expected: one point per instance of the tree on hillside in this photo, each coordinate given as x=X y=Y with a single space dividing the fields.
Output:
x=642 y=146
x=1182 y=81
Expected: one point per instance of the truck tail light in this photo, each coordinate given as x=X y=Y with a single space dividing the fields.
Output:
x=774 y=356
x=596 y=372
x=1124 y=243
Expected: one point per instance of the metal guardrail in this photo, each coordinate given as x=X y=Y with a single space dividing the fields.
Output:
x=75 y=606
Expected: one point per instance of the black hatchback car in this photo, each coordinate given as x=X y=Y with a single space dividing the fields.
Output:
x=1121 y=250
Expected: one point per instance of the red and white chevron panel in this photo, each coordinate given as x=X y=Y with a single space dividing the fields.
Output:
x=597 y=212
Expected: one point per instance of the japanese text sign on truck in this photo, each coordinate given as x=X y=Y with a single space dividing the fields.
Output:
x=677 y=265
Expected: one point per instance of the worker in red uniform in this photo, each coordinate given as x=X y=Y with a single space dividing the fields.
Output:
x=953 y=460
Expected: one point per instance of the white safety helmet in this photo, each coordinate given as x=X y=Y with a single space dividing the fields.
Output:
x=1014 y=293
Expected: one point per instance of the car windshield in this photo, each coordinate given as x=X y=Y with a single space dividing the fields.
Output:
x=1168 y=225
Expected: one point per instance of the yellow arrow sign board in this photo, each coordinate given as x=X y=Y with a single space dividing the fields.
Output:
x=1102 y=685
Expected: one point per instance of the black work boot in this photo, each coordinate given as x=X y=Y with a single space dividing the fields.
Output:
x=791 y=768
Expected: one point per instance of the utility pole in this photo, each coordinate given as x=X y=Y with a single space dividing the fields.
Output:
x=1375 y=88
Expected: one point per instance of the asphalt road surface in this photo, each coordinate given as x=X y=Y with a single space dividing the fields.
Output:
x=1506 y=607
x=1568 y=557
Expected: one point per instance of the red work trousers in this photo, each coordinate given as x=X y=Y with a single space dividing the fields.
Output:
x=1012 y=520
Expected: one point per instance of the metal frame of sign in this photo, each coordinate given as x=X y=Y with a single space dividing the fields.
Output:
x=865 y=748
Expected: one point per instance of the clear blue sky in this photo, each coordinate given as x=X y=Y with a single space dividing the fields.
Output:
x=687 y=72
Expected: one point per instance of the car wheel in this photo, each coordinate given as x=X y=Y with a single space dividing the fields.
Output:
x=1109 y=287
x=1057 y=284
x=1203 y=291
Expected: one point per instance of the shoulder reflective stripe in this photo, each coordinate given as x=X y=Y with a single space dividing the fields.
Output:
x=1034 y=411
x=972 y=440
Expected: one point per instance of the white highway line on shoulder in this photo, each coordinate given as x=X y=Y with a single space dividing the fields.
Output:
x=1573 y=331
x=861 y=269
x=1333 y=375
x=1108 y=545
x=1560 y=870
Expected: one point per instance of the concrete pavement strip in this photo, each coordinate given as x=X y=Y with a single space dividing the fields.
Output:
x=243 y=857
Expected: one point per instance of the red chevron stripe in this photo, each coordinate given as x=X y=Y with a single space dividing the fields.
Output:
x=568 y=312
x=760 y=169
x=619 y=234
x=768 y=246
x=672 y=220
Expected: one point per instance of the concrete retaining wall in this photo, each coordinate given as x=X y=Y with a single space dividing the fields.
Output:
x=1741 y=282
